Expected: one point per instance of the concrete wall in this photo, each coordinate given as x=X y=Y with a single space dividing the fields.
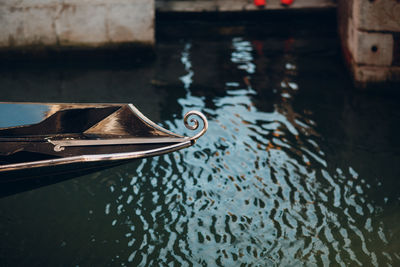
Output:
x=369 y=32
x=75 y=22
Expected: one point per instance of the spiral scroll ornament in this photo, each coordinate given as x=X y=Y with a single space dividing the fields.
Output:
x=193 y=123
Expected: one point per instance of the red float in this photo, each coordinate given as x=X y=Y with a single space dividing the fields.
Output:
x=260 y=2
x=286 y=2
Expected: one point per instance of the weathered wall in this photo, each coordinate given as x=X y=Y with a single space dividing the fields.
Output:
x=75 y=22
x=369 y=33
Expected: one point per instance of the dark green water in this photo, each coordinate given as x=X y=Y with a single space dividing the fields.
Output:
x=297 y=167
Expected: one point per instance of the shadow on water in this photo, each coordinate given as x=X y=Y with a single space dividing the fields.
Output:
x=297 y=168
x=24 y=181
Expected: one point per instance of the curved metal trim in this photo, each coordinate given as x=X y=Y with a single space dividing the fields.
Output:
x=195 y=123
x=116 y=141
x=185 y=120
x=99 y=157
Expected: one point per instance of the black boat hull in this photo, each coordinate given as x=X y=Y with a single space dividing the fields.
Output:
x=55 y=142
x=24 y=180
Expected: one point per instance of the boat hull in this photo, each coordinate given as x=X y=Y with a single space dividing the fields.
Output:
x=59 y=141
x=24 y=180
x=33 y=175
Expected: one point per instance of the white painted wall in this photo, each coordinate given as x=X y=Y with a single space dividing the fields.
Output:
x=75 y=22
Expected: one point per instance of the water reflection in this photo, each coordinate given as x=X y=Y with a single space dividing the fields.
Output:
x=12 y=115
x=291 y=172
x=256 y=190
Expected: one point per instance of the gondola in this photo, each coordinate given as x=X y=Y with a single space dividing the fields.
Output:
x=40 y=140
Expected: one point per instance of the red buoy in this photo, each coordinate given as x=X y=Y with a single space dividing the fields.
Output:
x=286 y=2
x=260 y=2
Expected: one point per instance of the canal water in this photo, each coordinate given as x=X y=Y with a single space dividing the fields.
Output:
x=297 y=167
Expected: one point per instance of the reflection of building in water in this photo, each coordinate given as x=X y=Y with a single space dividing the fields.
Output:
x=288 y=89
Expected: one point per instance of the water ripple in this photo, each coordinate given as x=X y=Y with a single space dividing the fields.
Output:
x=257 y=189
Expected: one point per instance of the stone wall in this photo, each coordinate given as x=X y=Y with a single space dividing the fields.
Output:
x=369 y=32
x=64 y=23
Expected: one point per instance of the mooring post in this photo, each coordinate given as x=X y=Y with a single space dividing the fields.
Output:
x=369 y=32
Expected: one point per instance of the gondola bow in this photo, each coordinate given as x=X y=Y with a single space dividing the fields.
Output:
x=50 y=139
